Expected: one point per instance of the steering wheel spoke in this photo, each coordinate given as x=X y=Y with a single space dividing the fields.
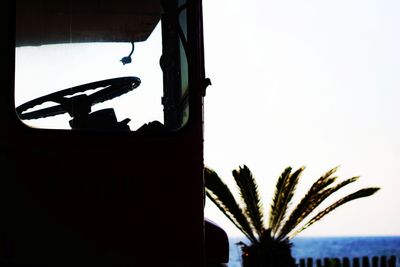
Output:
x=42 y=113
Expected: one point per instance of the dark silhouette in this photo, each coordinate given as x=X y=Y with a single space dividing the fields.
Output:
x=79 y=105
x=271 y=246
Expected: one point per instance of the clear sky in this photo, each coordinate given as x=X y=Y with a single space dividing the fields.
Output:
x=312 y=83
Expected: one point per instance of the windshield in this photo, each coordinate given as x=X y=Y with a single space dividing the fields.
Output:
x=158 y=61
x=46 y=69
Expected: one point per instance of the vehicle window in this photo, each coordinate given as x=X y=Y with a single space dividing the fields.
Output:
x=99 y=76
x=175 y=66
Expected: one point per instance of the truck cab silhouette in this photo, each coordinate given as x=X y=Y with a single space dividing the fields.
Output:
x=102 y=135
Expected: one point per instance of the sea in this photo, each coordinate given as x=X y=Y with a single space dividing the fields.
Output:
x=331 y=247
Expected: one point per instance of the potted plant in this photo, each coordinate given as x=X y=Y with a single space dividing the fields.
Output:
x=270 y=240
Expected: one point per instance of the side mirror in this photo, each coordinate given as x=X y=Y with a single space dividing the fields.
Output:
x=216 y=244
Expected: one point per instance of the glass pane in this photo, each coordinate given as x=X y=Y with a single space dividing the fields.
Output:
x=46 y=69
x=77 y=54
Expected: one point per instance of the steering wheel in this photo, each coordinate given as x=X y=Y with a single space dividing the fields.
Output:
x=79 y=104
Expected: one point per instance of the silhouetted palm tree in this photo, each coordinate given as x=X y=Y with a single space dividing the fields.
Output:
x=270 y=246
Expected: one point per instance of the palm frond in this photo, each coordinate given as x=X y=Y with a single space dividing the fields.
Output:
x=218 y=192
x=359 y=194
x=223 y=209
x=250 y=196
x=324 y=180
x=284 y=200
x=307 y=203
x=277 y=196
x=316 y=201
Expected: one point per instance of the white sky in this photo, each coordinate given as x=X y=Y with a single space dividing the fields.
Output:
x=312 y=83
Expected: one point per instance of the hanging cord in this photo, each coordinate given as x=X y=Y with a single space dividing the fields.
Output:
x=128 y=59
